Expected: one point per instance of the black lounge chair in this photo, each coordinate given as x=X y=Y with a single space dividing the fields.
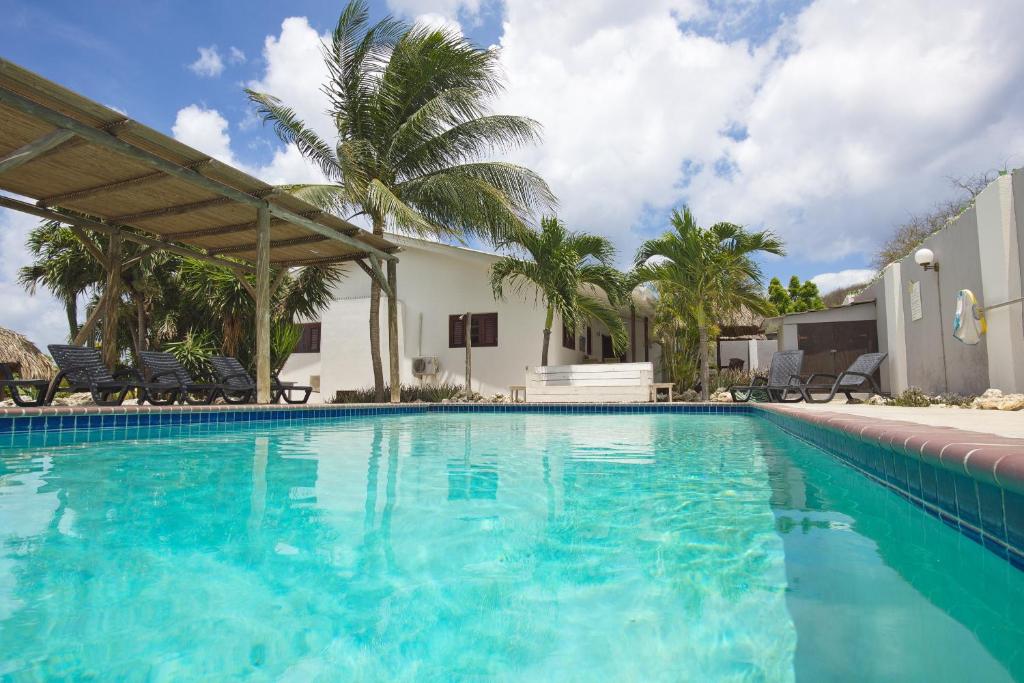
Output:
x=236 y=384
x=83 y=370
x=781 y=385
x=15 y=386
x=282 y=390
x=858 y=377
x=161 y=366
x=234 y=378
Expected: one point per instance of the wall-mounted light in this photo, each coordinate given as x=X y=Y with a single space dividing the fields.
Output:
x=925 y=258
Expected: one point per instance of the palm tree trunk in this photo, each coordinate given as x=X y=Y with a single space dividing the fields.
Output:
x=705 y=369
x=71 y=308
x=140 y=321
x=547 y=336
x=378 y=367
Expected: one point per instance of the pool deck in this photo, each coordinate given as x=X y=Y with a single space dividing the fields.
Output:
x=1002 y=423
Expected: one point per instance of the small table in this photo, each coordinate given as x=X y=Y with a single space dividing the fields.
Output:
x=517 y=393
x=658 y=386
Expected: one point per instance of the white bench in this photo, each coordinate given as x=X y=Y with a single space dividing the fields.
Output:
x=592 y=383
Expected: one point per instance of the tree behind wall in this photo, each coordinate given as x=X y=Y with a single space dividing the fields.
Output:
x=797 y=298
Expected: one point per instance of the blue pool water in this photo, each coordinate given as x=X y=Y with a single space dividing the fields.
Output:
x=487 y=547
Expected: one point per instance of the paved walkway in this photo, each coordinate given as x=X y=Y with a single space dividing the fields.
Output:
x=999 y=422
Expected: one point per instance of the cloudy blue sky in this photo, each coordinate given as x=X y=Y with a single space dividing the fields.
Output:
x=827 y=121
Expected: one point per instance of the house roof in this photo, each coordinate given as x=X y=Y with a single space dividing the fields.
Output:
x=642 y=298
x=78 y=158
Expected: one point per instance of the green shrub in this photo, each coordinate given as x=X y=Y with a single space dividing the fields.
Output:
x=952 y=399
x=194 y=352
x=428 y=393
x=725 y=378
x=911 y=398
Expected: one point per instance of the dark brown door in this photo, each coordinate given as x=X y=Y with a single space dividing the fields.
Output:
x=606 y=347
x=832 y=347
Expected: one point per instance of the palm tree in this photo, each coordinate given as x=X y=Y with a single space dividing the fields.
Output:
x=710 y=270
x=567 y=271
x=62 y=265
x=410 y=108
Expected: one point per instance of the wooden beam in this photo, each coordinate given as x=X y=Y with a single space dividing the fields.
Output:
x=111 y=352
x=331 y=233
x=105 y=139
x=375 y=274
x=170 y=210
x=237 y=248
x=263 y=307
x=379 y=273
x=34 y=149
x=246 y=285
x=325 y=261
x=90 y=224
x=393 y=350
x=136 y=259
x=85 y=331
x=89 y=244
x=128 y=183
x=227 y=229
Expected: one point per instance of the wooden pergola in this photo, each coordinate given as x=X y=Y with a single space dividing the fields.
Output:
x=97 y=171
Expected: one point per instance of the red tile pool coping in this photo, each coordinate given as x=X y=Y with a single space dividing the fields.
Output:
x=972 y=481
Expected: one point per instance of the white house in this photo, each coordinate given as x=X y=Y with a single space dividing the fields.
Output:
x=437 y=285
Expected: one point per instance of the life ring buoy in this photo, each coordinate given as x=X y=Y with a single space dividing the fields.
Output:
x=969 y=321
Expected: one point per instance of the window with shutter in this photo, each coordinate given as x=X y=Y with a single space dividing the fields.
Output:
x=309 y=342
x=568 y=337
x=484 y=330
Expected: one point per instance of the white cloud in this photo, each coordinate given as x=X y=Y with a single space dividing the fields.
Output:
x=829 y=282
x=206 y=130
x=295 y=72
x=209 y=63
x=625 y=98
x=439 y=21
x=40 y=317
x=235 y=55
x=860 y=124
x=841 y=123
x=854 y=112
x=448 y=11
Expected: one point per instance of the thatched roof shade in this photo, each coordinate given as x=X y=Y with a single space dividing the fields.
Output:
x=742 y=322
x=24 y=357
x=77 y=157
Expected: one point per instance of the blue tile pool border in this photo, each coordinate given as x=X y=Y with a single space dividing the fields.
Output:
x=982 y=510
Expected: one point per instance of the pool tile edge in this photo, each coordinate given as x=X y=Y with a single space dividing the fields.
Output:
x=972 y=481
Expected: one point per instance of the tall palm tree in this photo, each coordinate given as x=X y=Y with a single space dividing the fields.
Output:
x=413 y=128
x=566 y=271
x=62 y=265
x=710 y=270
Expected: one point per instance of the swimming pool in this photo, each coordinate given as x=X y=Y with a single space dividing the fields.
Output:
x=487 y=546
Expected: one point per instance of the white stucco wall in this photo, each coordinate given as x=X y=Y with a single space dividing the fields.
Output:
x=1001 y=278
x=435 y=281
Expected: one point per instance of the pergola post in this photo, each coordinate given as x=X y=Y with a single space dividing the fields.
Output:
x=396 y=380
x=112 y=300
x=263 y=305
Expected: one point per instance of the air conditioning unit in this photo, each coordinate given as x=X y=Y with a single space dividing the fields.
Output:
x=425 y=366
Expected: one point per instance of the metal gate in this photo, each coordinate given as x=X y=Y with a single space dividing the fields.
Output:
x=832 y=347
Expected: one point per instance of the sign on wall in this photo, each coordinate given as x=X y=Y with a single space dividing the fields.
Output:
x=915 y=300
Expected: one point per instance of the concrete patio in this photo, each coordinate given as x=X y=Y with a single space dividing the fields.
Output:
x=1008 y=424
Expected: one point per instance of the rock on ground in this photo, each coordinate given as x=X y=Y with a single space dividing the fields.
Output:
x=994 y=399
